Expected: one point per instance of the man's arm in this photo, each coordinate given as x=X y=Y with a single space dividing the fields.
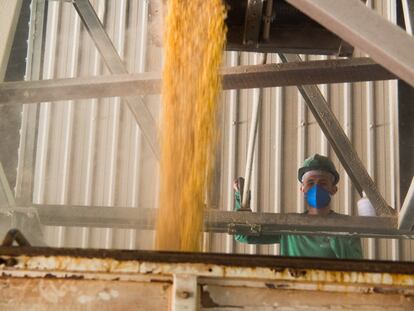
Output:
x=265 y=239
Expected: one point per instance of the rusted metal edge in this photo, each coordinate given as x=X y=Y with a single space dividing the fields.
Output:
x=252 y=261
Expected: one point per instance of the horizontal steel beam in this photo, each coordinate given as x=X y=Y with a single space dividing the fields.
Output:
x=225 y=222
x=360 y=26
x=406 y=215
x=241 y=77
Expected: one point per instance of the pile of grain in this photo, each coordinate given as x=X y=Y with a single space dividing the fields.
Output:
x=194 y=41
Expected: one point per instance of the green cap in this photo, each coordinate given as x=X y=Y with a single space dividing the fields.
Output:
x=318 y=162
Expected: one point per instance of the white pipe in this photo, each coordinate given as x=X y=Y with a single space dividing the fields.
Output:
x=251 y=145
x=301 y=143
x=232 y=145
x=347 y=101
x=370 y=148
x=278 y=173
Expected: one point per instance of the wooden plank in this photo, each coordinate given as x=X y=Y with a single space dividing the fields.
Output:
x=241 y=77
x=9 y=16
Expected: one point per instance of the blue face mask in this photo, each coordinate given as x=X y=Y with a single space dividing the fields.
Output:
x=318 y=197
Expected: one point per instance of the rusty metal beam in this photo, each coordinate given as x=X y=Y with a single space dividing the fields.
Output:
x=118 y=279
x=385 y=42
x=172 y=262
x=115 y=65
x=241 y=77
x=340 y=143
x=225 y=222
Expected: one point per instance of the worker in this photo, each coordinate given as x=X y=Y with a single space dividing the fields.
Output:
x=319 y=178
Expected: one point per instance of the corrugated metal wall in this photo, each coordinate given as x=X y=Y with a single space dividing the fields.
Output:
x=91 y=152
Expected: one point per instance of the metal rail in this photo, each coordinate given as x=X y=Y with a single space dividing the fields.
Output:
x=225 y=222
x=340 y=143
x=385 y=42
x=240 y=77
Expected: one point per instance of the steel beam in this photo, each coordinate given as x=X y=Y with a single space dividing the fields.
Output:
x=406 y=215
x=225 y=222
x=240 y=77
x=115 y=65
x=340 y=143
x=385 y=42
x=408 y=10
x=253 y=22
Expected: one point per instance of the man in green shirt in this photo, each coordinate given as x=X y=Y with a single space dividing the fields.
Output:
x=319 y=178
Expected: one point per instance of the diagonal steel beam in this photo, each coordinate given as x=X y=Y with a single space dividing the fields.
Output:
x=406 y=215
x=115 y=65
x=408 y=10
x=385 y=42
x=240 y=77
x=340 y=143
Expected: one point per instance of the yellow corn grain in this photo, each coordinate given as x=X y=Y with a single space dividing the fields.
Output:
x=194 y=41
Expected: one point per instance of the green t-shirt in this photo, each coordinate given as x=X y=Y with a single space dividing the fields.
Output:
x=307 y=245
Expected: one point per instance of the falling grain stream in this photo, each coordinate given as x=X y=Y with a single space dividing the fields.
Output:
x=194 y=41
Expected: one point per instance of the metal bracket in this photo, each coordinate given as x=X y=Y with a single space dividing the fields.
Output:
x=253 y=21
x=245 y=229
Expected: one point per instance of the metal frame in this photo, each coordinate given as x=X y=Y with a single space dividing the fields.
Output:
x=362 y=27
x=240 y=77
x=331 y=14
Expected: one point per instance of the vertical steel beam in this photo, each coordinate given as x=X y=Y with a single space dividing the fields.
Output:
x=115 y=65
x=340 y=143
x=253 y=22
x=406 y=215
x=386 y=43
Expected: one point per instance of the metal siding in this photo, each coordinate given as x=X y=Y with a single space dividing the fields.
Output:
x=91 y=152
